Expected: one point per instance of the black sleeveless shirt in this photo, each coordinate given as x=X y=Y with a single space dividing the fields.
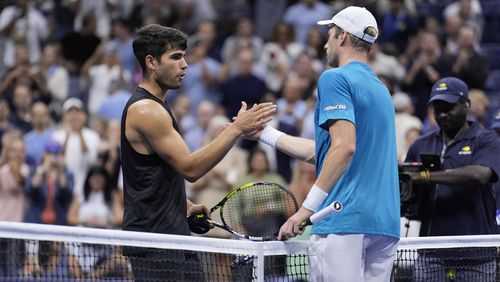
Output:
x=155 y=197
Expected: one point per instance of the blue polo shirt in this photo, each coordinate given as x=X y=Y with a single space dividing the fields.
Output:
x=369 y=187
x=453 y=210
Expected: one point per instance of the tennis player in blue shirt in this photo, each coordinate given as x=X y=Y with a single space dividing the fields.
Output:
x=355 y=157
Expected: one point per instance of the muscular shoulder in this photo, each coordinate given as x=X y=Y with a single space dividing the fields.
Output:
x=147 y=116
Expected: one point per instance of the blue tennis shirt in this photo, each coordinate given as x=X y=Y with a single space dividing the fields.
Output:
x=369 y=188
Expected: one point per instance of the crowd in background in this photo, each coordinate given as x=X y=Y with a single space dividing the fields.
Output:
x=67 y=69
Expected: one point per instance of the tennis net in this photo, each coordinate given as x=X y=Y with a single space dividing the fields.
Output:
x=33 y=252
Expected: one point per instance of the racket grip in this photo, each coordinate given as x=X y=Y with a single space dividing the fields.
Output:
x=336 y=206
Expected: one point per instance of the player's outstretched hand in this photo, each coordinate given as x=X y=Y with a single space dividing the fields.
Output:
x=255 y=118
x=291 y=227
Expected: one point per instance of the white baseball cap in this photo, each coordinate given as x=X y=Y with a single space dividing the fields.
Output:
x=354 y=20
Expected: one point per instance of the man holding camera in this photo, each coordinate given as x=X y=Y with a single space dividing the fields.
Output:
x=458 y=198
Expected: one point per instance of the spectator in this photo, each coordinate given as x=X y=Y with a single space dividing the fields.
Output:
x=36 y=139
x=258 y=170
x=452 y=28
x=80 y=143
x=397 y=27
x=5 y=122
x=49 y=188
x=406 y=123
x=479 y=106
x=202 y=80
x=495 y=126
x=469 y=65
x=459 y=195
x=191 y=13
x=304 y=177
x=207 y=33
x=122 y=40
x=315 y=42
x=386 y=65
x=56 y=76
x=181 y=104
x=101 y=68
x=95 y=209
x=21 y=115
x=112 y=106
x=470 y=13
x=244 y=86
x=243 y=37
x=22 y=24
x=12 y=178
x=304 y=15
x=424 y=71
x=194 y=136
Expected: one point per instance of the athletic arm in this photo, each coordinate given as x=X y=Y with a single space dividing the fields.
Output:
x=471 y=175
x=297 y=147
x=158 y=135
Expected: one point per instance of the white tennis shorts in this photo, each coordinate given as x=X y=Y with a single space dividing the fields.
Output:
x=351 y=257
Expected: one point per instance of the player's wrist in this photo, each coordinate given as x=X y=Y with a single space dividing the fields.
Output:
x=270 y=136
x=315 y=198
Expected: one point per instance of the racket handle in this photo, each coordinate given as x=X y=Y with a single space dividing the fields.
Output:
x=336 y=206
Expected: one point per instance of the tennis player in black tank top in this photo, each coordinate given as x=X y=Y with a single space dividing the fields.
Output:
x=156 y=160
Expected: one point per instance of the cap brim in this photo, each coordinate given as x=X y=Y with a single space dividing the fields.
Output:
x=445 y=97
x=324 y=22
x=496 y=124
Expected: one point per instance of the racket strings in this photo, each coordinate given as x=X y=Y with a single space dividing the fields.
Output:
x=259 y=210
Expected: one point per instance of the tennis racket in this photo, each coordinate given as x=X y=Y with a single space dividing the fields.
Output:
x=255 y=211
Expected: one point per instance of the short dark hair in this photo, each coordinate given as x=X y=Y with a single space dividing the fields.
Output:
x=155 y=40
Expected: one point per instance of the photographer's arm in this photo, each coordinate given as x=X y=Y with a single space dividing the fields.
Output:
x=463 y=176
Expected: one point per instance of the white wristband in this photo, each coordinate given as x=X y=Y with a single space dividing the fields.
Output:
x=270 y=136
x=315 y=198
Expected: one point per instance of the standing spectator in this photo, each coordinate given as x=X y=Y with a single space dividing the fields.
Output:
x=13 y=175
x=469 y=11
x=397 y=27
x=244 y=86
x=202 y=80
x=21 y=115
x=49 y=188
x=36 y=139
x=469 y=65
x=423 y=71
x=122 y=40
x=243 y=36
x=112 y=106
x=80 y=143
x=407 y=125
x=101 y=68
x=56 y=76
x=23 y=24
x=304 y=15
x=5 y=122
x=459 y=195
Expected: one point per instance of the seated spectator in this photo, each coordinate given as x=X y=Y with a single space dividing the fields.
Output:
x=195 y=135
x=258 y=170
x=469 y=11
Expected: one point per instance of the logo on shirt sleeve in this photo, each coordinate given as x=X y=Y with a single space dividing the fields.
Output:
x=465 y=151
x=335 y=107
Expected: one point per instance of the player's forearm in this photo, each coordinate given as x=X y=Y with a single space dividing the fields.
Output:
x=334 y=166
x=297 y=147
x=203 y=160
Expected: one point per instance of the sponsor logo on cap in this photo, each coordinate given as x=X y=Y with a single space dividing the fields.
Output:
x=465 y=151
